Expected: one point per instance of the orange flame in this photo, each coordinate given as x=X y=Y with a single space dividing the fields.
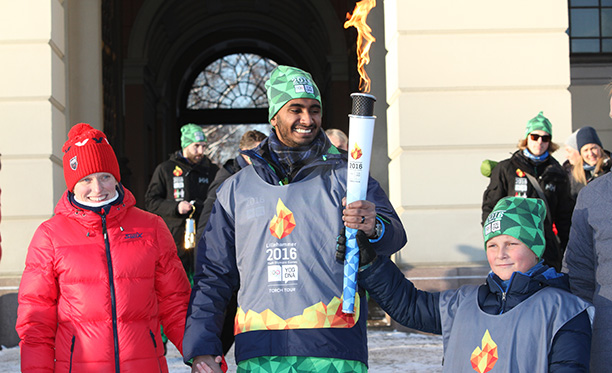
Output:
x=358 y=20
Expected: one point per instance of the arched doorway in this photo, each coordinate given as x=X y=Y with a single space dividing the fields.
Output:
x=228 y=98
x=171 y=42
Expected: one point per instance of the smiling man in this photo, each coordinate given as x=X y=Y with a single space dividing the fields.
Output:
x=270 y=235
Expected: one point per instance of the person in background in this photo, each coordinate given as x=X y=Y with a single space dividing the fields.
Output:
x=100 y=276
x=338 y=138
x=178 y=189
x=573 y=158
x=250 y=139
x=533 y=172
x=594 y=161
x=523 y=319
x=271 y=232
x=588 y=262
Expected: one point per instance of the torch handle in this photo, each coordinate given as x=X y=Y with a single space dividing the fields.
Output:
x=361 y=132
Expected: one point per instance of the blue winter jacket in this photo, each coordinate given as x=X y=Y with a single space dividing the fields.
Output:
x=420 y=310
x=218 y=277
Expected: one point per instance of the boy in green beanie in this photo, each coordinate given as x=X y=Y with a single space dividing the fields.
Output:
x=523 y=319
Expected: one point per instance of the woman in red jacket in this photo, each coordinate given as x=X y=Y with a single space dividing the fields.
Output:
x=100 y=276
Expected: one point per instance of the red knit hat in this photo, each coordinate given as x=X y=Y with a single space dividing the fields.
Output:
x=86 y=152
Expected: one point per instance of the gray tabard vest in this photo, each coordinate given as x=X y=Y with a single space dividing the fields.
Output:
x=285 y=251
x=517 y=341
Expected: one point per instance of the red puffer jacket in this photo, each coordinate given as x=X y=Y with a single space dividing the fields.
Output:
x=95 y=289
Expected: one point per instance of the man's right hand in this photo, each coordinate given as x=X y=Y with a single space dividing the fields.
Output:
x=184 y=207
x=206 y=364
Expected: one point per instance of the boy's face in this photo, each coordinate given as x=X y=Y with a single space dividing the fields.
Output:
x=507 y=255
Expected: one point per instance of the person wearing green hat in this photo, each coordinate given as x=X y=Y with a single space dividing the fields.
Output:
x=532 y=172
x=269 y=235
x=522 y=319
x=178 y=188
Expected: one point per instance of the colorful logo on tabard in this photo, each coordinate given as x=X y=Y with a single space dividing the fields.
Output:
x=356 y=153
x=283 y=222
x=483 y=360
x=177 y=171
x=319 y=315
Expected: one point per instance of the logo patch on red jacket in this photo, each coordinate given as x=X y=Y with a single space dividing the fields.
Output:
x=131 y=236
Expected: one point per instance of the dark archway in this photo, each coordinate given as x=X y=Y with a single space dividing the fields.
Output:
x=166 y=43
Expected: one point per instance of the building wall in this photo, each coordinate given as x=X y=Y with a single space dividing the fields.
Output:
x=33 y=113
x=591 y=99
x=463 y=79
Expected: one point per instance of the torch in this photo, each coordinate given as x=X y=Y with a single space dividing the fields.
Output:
x=361 y=132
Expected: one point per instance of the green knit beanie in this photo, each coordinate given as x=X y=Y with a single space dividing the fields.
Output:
x=540 y=122
x=521 y=218
x=287 y=83
x=191 y=133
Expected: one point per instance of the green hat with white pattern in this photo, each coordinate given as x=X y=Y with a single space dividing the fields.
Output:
x=287 y=83
x=539 y=122
x=521 y=218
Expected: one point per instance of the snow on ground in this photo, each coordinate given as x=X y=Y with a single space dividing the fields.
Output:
x=390 y=352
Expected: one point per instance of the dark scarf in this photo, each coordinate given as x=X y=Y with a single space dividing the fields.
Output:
x=98 y=209
x=291 y=160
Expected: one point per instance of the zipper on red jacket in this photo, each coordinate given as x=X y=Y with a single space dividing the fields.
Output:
x=155 y=350
x=111 y=283
x=71 y=353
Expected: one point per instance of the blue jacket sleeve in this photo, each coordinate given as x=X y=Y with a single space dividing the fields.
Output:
x=571 y=348
x=397 y=296
x=215 y=281
x=579 y=261
x=393 y=237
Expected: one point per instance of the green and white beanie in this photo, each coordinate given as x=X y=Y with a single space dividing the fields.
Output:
x=191 y=133
x=287 y=83
x=521 y=218
x=539 y=122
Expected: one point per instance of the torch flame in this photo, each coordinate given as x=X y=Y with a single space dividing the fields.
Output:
x=358 y=20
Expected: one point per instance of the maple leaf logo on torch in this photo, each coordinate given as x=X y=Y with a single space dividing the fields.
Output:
x=364 y=32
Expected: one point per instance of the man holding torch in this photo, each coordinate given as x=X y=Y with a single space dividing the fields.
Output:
x=269 y=236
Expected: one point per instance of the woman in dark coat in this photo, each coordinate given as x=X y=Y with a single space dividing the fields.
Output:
x=531 y=168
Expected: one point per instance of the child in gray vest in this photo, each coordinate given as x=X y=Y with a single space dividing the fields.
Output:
x=523 y=319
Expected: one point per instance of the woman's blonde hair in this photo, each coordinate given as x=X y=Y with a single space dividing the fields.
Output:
x=578 y=169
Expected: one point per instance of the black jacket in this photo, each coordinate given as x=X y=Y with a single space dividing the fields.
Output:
x=554 y=182
x=165 y=192
x=420 y=310
x=229 y=168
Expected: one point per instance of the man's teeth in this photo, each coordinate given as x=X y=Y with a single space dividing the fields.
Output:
x=97 y=199
x=303 y=130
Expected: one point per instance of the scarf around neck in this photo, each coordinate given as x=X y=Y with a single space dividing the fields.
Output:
x=535 y=158
x=291 y=160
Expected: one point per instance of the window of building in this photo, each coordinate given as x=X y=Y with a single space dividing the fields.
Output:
x=590 y=26
x=228 y=98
